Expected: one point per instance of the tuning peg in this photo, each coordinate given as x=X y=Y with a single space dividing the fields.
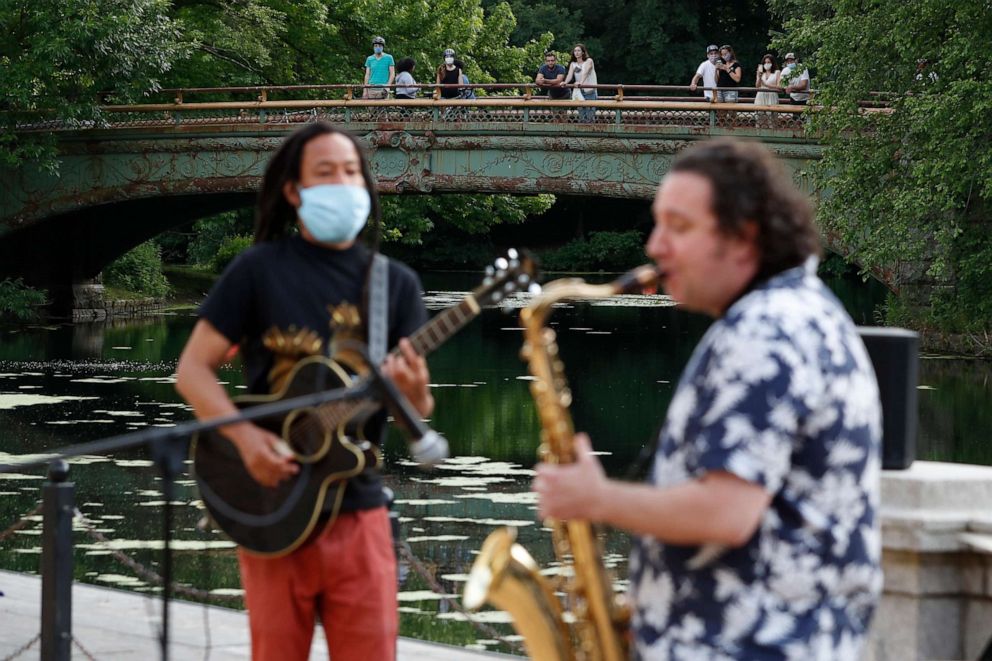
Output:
x=490 y=271
x=497 y=297
x=512 y=253
x=534 y=289
x=501 y=263
x=523 y=279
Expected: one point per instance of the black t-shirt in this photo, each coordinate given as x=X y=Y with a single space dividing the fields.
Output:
x=724 y=79
x=550 y=73
x=291 y=282
x=450 y=77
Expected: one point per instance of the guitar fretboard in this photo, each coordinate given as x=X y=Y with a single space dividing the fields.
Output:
x=445 y=324
x=427 y=338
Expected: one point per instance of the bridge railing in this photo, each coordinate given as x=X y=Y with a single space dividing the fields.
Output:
x=488 y=103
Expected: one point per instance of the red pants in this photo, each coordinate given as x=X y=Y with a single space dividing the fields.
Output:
x=346 y=576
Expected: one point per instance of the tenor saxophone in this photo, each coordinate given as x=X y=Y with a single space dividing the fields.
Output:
x=504 y=574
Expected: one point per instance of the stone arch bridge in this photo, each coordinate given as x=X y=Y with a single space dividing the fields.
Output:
x=149 y=168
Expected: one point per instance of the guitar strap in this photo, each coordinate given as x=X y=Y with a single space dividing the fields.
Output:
x=378 y=322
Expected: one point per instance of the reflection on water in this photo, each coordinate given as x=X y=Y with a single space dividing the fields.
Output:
x=67 y=384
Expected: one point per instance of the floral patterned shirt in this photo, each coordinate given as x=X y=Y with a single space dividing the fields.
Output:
x=780 y=392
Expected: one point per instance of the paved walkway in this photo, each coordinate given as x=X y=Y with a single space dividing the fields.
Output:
x=114 y=624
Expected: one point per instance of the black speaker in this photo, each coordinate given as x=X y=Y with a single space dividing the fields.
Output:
x=895 y=355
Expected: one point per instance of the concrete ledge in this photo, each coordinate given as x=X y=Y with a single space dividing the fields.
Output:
x=937 y=557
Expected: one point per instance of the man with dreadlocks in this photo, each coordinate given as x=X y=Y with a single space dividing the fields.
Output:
x=319 y=183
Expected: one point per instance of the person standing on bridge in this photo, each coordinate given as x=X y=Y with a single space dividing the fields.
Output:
x=275 y=302
x=796 y=79
x=406 y=86
x=449 y=73
x=729 y=74
x=758 y=534
x=582 y=71
x=379 y=70
x=706 y=72
x=551 y=77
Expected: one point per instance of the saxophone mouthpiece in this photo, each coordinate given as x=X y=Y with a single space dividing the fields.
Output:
x=642 y=280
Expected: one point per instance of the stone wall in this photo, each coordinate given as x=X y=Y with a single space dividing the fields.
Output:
x=114 y=309
x=937 y=557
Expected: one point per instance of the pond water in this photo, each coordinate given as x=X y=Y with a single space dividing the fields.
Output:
x=65 y=384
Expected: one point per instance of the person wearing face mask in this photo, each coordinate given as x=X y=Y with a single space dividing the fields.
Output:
x=317 y=196
x=379 y=70
x=449 y=74
x=798 y=80
x=767 y=81
x=706 y=72
x=729 y=74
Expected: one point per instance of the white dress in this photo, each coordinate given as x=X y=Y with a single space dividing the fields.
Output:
x=768 y=79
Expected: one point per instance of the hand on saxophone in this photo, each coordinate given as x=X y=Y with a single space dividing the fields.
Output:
x=571 y=491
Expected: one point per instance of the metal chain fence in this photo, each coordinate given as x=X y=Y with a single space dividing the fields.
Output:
x=153 y=577
x=24 y=648
x=23 y=522
x=436 y=587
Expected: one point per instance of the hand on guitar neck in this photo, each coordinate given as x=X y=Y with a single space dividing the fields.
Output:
x=408 y=370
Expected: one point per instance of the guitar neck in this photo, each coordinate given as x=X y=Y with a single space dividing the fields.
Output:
x=427 y=338
x=444 y=324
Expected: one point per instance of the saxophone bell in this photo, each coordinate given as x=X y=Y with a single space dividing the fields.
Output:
x=505 y=575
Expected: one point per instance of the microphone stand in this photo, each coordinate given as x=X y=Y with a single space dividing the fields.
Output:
x=167 y=454
x=427 y=447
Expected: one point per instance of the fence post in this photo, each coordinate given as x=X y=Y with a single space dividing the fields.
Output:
x=58 y=506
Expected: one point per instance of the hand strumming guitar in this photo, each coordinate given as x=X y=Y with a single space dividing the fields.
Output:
x=266 y=456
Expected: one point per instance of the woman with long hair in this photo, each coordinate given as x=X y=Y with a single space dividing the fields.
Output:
x=767 y=79
x=582 y=71
x=449 y=73
x=729 y=74
x=274 y=305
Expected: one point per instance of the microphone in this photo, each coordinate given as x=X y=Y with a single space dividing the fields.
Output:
x=427 y=447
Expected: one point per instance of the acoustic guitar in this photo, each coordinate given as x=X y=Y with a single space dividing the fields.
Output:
x=326 y=441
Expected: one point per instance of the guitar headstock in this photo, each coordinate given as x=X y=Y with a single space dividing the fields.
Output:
x=505 y=276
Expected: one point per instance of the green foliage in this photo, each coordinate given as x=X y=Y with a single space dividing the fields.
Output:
x=57 y=55
x=603 y=251
x=650 y=41
x=408 y=219
x=138 y=271
x=907 y=185
x=229 y=248
x=210 y=233
x=18 y=301
x=310 y=41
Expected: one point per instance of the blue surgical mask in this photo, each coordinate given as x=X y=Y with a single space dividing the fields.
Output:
x=334 y=213
x=377 y=49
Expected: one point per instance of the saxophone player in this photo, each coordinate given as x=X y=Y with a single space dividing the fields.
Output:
x=770 y=448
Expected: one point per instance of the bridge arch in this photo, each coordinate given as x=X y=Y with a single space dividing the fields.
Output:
x=117 y=187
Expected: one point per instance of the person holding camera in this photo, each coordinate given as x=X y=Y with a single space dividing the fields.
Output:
x=729 y=74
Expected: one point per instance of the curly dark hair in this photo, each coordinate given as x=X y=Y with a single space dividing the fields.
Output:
x=406 y=64
x=274 y=215
x=749 y=184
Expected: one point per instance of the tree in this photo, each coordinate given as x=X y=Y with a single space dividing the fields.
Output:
x=312 y=41
x=259 y=42
x=58 y=56
x=649 y=41
x=906 y=185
